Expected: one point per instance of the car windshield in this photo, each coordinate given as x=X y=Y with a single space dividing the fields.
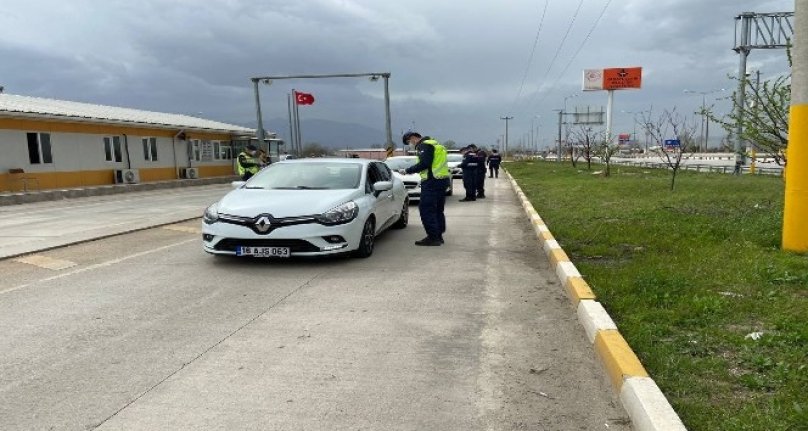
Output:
x=308 y=176
x=400 y=162
x=454 y=158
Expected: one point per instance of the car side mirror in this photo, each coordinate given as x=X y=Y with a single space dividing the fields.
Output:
x=382 y=186
x=237 y=184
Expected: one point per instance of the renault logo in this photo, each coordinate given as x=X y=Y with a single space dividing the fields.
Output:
x=263 y=224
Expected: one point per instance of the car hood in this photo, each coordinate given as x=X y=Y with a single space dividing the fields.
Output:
x=283 y=203
x=453 y=164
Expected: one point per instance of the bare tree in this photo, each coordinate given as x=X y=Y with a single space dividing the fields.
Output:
x=586 y=141
x=764 y=118
x=605 y=148
x=671 y=126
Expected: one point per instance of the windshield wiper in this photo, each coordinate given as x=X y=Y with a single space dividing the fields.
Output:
x=255 y=188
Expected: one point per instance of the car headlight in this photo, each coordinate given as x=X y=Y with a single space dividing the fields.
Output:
x=339 y=214
x=211 y=214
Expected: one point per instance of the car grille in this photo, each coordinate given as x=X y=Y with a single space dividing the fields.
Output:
x=295 y=245
x=410 y=184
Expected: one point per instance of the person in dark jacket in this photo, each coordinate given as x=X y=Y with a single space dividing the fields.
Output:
x=481 y=156
x=469 y=167
x=433 y=168
x=493 y=164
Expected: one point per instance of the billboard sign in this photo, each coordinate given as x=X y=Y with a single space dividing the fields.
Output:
x=617 y=78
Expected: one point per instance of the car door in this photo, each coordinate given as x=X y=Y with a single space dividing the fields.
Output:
x=384 y=200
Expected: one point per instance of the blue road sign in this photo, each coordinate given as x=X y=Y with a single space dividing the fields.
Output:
x=672 y=143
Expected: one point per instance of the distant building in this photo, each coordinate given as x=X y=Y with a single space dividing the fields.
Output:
x=48 y=144
x=370 y=153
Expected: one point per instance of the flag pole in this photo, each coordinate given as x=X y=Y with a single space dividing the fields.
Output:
x=291 y=142
x=299 y=148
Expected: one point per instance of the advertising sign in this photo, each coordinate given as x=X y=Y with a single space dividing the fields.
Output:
x=618 y=78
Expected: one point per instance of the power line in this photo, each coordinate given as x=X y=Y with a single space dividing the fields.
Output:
x=564 y=39
x=532 y=51
x=578 y=51
x=560 y=46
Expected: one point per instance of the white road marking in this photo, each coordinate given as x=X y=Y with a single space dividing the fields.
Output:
x=181 y=228
x=46 y=262
x=100 y=265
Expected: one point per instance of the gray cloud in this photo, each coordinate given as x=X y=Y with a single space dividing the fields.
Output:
x=456 y=67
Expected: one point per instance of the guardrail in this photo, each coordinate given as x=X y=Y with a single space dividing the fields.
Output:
x=704 y=168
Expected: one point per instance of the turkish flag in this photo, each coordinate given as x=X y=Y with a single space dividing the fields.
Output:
x=304 y=98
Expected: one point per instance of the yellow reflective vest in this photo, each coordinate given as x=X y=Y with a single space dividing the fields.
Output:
x=440 y=164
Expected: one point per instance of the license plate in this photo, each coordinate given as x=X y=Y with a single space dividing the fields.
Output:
x=263 y=251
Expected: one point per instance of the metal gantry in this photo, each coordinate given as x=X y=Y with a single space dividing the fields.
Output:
x=773 y=30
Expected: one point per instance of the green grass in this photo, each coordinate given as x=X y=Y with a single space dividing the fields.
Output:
x=686 y=275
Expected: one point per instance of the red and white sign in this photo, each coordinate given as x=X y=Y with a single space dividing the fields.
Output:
x=616 y=78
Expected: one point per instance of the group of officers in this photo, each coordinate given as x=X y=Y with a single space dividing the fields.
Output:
x=476 y=163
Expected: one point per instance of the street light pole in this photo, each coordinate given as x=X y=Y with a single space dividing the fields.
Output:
x=260 y=131
x=505 y=148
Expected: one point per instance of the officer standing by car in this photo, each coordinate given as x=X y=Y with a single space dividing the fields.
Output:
x=433 y=167
x=481 y=156
x=247 y=163
x=494 y=161
x=469 y=165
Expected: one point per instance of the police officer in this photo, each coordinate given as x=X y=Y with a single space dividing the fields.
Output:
x=481 y=156
x=494 y=161
x=433 y=168
x=469 y=166
x=247 y=163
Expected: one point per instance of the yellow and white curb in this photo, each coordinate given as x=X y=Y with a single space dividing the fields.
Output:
x=644 y=402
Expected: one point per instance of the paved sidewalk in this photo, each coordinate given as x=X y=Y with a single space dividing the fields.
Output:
x=33 y=227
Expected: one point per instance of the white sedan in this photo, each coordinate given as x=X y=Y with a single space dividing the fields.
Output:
x=307 y=207
x=412 y=181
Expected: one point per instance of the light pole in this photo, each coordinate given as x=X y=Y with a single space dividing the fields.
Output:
x=705 y=122
x=566 y=124
x=505 y=148
x=533 y=145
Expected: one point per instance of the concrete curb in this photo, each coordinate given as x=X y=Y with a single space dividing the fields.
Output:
x=644 y=402
x=53 y=195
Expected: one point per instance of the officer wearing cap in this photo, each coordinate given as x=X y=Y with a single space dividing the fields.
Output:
x=469 y=166
x=433 y=167
x=247 y=164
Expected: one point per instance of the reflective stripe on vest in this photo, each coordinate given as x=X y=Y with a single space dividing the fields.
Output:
x=440 y=163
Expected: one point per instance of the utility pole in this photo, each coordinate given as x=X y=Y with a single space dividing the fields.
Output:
x=505 y=149
x=260 y=131
x=560 y=120
x=795 y=230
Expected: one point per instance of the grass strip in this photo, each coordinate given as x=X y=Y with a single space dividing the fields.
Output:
x=696 y=282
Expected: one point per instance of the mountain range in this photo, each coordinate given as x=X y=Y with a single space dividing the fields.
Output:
x=330 y=134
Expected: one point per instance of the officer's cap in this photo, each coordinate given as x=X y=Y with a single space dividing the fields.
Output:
x=406 y=138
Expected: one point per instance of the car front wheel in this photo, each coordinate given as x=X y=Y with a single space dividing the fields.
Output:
x=368 y=240
x=404 y=219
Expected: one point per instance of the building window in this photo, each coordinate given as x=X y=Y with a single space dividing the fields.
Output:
x=195 y=152
x=39 y=148
x=112 y=149
x=150 y=149
x=225 y=151
x=217 y=148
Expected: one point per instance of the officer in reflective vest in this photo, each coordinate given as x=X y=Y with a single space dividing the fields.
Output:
x=433 y=167
x=247 y=164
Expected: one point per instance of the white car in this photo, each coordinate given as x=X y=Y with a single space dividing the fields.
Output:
x=412 y=181
x=307 y=207
x=454 y=160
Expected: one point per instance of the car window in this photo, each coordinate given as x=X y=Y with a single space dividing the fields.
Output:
x=307 y=176
x=384 y=171
x=454 y=157
x=373 y=177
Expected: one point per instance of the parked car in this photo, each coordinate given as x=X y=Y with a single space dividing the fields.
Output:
x=454 y=160
x=307 y=207
x=412 y=182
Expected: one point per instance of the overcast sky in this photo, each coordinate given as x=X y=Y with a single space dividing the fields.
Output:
x=457 y=66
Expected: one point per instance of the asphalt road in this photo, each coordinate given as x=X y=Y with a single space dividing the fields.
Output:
x=144 y=331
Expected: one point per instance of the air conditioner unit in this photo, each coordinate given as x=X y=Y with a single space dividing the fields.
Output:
x=127 y=176
x=189 y=173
